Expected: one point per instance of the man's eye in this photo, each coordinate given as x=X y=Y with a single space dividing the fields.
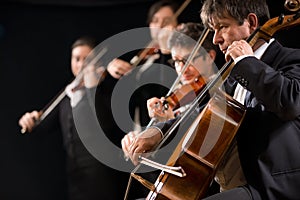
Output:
x=154 y=20
x=167 y=21
x=77 y=59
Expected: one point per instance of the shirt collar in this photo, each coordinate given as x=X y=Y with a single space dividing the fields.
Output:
x=261 y=50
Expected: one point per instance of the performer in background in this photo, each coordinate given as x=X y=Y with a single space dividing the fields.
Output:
x=151 y=70
x=87 y=177
x=161 y=14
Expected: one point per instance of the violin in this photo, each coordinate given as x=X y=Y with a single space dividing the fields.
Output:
x=78 y=84
x=144 y=54
x=151 y=48
x=185 y=94
x=202 y=147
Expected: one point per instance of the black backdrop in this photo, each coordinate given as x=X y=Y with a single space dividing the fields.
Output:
x=35 y=39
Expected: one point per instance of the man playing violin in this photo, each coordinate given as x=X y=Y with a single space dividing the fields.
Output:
x=87 y=178
x=161 y=14
x=202 y=65
x=266 y=80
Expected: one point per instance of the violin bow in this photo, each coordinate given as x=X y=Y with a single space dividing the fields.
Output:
x=54 y=102
x=135 y=61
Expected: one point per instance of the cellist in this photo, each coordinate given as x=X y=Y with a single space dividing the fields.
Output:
x=266 y=79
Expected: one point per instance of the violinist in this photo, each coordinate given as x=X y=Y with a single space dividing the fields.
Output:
x=87 y=178
x=181 y=44
x=160 y=14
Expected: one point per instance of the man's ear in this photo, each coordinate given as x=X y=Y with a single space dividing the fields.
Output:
x=212 y=54
x=253 y=21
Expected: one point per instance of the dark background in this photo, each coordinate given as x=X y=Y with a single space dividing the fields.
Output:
x=35 y=39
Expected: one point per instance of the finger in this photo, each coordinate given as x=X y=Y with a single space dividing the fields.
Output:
x=125 y=148
x=132 y=146
x=228 y=53
x=100 y=70
x=118 y=73
x=129 y=138
x=131 y=153
x=28 y=120
x=125 y=144
x=133 y=134
x=25 y=124
x=135 y=156
x=151 y=113
x=122 y=66
x=28 y=124
x=89 y=68
x=151 y=103
x=36 y=115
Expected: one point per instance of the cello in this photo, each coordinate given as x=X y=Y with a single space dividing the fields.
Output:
x=201 y=150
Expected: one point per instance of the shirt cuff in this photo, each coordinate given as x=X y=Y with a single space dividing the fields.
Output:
x=236 y=60
x=155 y=127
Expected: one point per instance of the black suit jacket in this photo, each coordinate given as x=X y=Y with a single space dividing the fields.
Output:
x=269 y=137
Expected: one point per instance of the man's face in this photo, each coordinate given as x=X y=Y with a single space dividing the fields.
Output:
x=161 y=18
x=227 y=30
x=200 y=64
x=79 y=54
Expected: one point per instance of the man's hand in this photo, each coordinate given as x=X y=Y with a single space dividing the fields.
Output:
x=28 y=120
x=158 y=111
x=134 y=144
x=92 y=76
x=237 y=49
x=117 y=68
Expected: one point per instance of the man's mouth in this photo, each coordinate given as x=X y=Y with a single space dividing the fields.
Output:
x=224 y=50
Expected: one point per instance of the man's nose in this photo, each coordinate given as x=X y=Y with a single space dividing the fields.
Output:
x=180 y=65
x=217 y=39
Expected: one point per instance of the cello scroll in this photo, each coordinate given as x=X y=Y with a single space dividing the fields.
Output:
x=292 y=5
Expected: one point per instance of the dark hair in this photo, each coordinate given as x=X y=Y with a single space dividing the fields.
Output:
x=238 y=9
x=158 y=5
x=85 y=40
x=187 y=34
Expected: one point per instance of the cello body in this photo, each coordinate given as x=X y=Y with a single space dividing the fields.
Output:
x=201 y=150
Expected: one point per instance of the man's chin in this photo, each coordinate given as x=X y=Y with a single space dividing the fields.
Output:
x=185 y=82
